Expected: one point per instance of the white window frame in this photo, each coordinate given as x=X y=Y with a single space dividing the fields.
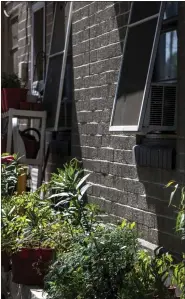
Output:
x=35 y=7
x=138 y=127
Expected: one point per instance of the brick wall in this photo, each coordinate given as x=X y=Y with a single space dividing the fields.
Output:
x=118 y=186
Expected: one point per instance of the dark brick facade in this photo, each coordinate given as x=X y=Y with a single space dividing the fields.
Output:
x=120 y=187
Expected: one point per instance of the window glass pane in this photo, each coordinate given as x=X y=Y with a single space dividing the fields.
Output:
x=166 y=60
x=38 y=67
x=133 y=73
x=51 y=88
x=144 y=9
x=171 y=9
x=59 y=29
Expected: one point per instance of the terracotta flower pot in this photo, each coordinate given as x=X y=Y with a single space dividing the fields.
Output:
x=11 y=98
x=29 y=266
x=25 y=106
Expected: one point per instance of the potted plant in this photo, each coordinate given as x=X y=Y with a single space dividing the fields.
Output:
x=31 y=237
x=6 y=218
x=11 y=92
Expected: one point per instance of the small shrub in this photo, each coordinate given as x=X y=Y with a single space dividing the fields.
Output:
x=97 y=266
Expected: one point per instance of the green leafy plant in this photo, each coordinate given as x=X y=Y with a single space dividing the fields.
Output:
x=178 y=277
x=9 y=174
x=68 y=193
x=96 y=266
x=28 y=221
x=67 y=184
x=180 y=208
x=149 y=276
x=10 y=81
x=12 y=226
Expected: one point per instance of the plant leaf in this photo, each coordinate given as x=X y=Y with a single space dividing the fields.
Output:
x=82 y=180
x=172 y=194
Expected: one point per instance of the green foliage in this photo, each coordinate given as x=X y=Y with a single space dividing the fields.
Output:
x=96 y=266
x=180 y=219
x=28 y=221
x=178 y=277
x=9 y=174
x=10 y=81
x=148 y=278
x=67 y=184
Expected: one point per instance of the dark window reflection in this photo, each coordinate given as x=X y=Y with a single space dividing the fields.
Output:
x=171 y=9
x=166 y=61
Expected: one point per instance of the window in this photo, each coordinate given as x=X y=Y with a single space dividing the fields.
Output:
x=38 y=42
x=166 y=60
x=149 y=56
x=13 y=45
x=54 y=70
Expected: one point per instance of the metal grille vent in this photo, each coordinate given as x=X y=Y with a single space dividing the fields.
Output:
x=162 y=105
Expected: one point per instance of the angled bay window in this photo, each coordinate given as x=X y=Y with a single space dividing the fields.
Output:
x=140 y=54
x=161 y=105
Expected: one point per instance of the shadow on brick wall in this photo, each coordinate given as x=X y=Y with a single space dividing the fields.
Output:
x=155 y=220
x=161 y=218
x=61 y=144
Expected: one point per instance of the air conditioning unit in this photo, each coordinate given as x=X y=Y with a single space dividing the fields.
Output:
x=161 y=108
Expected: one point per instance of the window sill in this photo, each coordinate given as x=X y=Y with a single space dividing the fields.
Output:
x=161 y=136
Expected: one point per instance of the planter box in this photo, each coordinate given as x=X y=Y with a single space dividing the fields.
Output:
x=29 y=266
x=31 y=106
x=11 y=98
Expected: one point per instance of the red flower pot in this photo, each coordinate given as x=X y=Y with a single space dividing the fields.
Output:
x=29 y=266
x=23 y=94
x=5 y=261
x=26 y=106
x=37 y=107
x=11 y=98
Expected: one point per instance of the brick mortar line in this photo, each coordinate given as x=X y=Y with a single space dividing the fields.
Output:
x=28 y=19
x=110 y=162
x=86 y=88
x=135 y=180
x=24 y=37
x=98 y=24
x=90 y=76
x=98 y=36
x=100 y=11
x=113 y=175
x=74 y=11
x=135 y=209
x=91 y=4
x=89 y=15
x=102 y=60
x=113 y=136
x=19 y=31
x=89 y=51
